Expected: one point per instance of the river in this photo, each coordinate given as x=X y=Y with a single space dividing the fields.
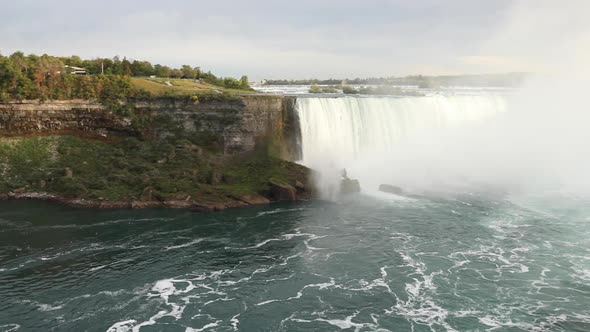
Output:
x=423 y=263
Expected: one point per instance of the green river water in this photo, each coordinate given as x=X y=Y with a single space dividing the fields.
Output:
x=440 y=263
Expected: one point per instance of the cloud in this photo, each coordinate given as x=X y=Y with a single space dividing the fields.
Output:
x=271 y=39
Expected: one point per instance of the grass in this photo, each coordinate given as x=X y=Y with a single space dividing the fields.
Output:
x=158 y=87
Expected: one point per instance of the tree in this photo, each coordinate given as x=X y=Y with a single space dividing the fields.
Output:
x=162 y=71
x=74 y=60
x=117 y=68
x=244 y=84
x=142 y=68
x=126 y=67
x=188 y=72
x=176 y=73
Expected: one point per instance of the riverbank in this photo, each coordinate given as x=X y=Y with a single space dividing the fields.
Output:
x=230 y=202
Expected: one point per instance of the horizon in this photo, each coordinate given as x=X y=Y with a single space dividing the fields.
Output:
x=268 y=40
x=122 y=57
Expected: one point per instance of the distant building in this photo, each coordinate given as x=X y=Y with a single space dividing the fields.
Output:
x=261 y=83
x=75 y=70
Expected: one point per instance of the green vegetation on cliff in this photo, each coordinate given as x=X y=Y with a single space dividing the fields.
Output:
x=181 y=87
x=60 y=78
x=132 y=170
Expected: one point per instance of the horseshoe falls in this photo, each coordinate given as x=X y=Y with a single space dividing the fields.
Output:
x=374 y=138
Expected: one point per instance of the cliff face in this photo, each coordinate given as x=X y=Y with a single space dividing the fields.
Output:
x=173 y=152
x=238 y=124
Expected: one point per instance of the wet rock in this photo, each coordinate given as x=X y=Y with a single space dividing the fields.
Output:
x=299 y=186
x=387 y=188
x=176 y=204
x=144 y=205
x=20 y=190
x=191 y=147
x=215 y=178
x=282 y=191
x=350 y=186
x=207 y=207
x=147 y=194
x=254 y=199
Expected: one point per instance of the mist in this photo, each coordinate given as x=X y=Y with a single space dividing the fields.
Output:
x=537 y=140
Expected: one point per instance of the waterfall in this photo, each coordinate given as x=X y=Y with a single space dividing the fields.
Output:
x=375 y=137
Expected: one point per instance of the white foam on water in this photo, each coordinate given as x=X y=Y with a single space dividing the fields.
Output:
x=184 y=245
x=235 y=322
x=279 y=210
x=206 y=327
x=164 y=289
x=319 y=286
x=375 y=283
x=583 y=275
x=97 y=268
x=48 y=307
x=124 y=326
x=420 y=306
x=284 y=237
x=10 y=327
x=342 y=324
x=497 y=323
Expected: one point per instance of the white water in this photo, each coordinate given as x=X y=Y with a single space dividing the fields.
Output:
x=379 y=138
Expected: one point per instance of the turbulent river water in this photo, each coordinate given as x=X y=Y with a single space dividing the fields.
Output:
x=421 y=263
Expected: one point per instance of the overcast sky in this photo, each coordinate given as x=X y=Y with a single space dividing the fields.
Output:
x=303 y=38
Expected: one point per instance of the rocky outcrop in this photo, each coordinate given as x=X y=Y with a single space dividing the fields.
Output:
x=237 y=123
x=254 y=199
x=282 y=192
x=279 y=192
x=387 y=188
x=72 y=116
x=349 y=186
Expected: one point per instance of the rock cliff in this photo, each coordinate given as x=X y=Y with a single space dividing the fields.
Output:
x=237 y=123
x=172 y=152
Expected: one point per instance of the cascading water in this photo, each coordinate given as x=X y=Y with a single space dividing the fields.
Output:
x=370 y=136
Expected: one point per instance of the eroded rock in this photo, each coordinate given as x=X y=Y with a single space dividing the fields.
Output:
x=387 y=188
x=254 y=199
x=350 y=186
x=282 y=191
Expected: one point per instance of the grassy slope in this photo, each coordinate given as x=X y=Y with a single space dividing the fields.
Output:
x=158 y=87
x=130 y=169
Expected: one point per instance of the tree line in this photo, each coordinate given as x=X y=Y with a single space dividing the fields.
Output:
x=46 y=77
x=500 y=80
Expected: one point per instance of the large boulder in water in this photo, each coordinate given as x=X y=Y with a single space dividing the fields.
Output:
x=350 y=186
x=387 y=188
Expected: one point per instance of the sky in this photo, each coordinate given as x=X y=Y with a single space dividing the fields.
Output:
x=305 y=38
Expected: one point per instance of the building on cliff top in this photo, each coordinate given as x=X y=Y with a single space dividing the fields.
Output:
x=75 y=70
